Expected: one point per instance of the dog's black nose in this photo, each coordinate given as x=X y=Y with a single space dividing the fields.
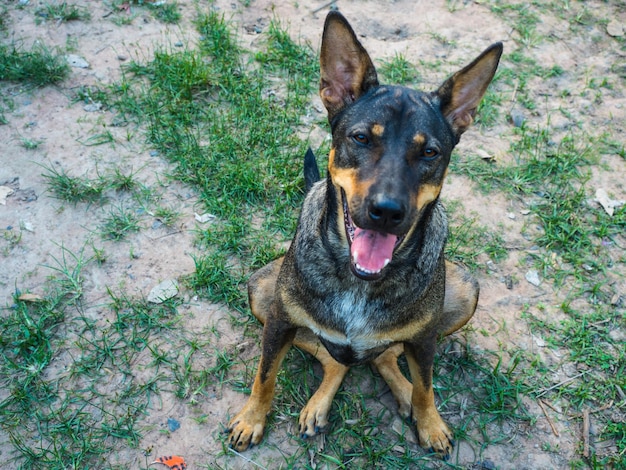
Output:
x=386 y=213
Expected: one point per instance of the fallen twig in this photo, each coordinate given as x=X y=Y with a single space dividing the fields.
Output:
x=246 y=458
x=545 y=413
x=328 y=4
x=586 y=433
x=546 y=390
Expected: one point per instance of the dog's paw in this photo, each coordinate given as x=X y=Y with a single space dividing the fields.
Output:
x=246 y=429
x=313 y=418
x=435 y=436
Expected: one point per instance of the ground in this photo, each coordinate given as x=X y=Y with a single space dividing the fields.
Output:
x=48 y=132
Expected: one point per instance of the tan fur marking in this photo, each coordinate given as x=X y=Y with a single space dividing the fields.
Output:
x=347 y=179
x=401 y=388
x=301 y=318
x=404 y=332
x=314 y=416
x=419 y=139
x=427 y=194
x=378 y=130
x=344 y=178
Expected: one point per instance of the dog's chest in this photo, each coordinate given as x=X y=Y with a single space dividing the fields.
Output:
x=352 y=332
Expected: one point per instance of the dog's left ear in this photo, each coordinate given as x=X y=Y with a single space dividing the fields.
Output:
x=460 y=94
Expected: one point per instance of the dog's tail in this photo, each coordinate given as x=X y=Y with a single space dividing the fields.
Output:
x=311 y=171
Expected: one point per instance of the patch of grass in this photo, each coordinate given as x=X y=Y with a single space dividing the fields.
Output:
x=398 y=70
x=4 y=19
x=194 y=104
x=62 y=12
x=10 y=238
x=72 y=189
x=122 y=181
x=167 y=12
x=215 y=278
x=471 y=243
x=119 y=223
x=166 y=215
x=91 y=95
x=30 y=144
x=38 y=66
x=76 y=419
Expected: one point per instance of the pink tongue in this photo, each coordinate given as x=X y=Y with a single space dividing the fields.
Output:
x=371 y=251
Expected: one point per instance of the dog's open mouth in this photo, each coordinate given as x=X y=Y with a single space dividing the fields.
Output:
x=370 y=251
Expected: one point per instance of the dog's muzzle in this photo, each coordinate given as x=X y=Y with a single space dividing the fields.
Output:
x=370 y=250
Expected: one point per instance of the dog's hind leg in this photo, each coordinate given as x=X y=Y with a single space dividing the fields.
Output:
x=460 y=299
x=401 y=388
x=261 y=288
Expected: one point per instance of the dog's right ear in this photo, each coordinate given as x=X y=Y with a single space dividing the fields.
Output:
x=346 y=69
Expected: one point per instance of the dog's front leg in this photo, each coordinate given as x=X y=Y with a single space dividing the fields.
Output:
x=432 y=432
x=247 y=427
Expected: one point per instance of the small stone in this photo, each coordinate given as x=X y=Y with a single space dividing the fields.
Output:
x=532 y=277
x=617 y=335
x=517 y=117
x=92 y=107
x=615 y=28
x=172 y=424
x=77 y=61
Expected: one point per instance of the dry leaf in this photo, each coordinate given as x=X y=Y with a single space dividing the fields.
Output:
x=30 y=298
x=484 y=155
x=204 y=218
x=163 y=291
x=174 y=462
x=609 y=205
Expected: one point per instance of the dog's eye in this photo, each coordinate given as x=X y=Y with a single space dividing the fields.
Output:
x=430 y=153
x=361 y=139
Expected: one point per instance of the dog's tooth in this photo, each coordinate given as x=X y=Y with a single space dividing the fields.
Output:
x=386 y=262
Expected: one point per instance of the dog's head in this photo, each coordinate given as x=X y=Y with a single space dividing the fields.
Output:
x=391 y=145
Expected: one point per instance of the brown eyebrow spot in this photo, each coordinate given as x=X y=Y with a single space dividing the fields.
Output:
x=419 y=139
x=378 y=130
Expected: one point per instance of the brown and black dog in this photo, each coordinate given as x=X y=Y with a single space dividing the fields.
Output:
x=365 y=277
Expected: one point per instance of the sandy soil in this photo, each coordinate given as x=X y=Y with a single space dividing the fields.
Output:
x=413 y=28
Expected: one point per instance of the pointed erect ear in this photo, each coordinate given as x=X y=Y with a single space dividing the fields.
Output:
x=460 y=94
x=346 y=69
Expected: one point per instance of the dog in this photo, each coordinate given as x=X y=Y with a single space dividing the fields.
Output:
x=365 y=278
